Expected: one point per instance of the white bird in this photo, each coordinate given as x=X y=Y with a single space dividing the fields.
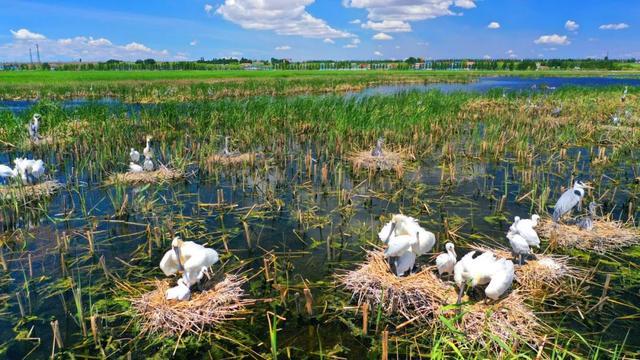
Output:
x=519 y=245
x=7 y=172
x=192 y=259
x=148 y=151
x=135 y=168
x=624 y=94
x=37 y=169
x=135 y=155
x=34 y=127
x=405 y=263
x=403 y=234
x=484 y=269
x=445 y=262
x=377 y=151
x=148 y=164
x=525 y=227
x=569 y=199
x=29 y=170
x=181 y=292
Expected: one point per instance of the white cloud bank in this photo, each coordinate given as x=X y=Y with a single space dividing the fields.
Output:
x=382 y=37
x=619 y=26
x=493 y=25
x=24 y=34
x=554 y=39
x=571 y=25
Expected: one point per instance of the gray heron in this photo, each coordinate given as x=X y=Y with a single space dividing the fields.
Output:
x=148 y=164
x=569 y=199
x=135 y=168
x=377 y=151
x=586 y=223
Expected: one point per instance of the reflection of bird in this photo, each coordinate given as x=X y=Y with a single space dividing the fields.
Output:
x=445 y=262
x=135 y=155
x=377 y=151
x=193 y=260
x=586 y=223
x=148 y=151
x=403 y=234
x=484 y=269
x=569 y=199
x=148 y=164
x=135 y=168
x=525 y=227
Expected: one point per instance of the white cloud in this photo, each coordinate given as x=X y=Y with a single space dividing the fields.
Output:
x=388 y=26
x=487 y=57
x=571 y=25
x=24 y=34
x=236 y=53
x=85 y=47
x=408 y=10
x=355 y=21
x=377 y=53
x=355 y=41
x=193 y=42
x=493 y=25
x=208 y=8
x=283 y=48
x=284 y=17
x=554 y=39
x=382 y=36
x=354 y=44
x=100 y=42
x=328 y=41
x=619 y=26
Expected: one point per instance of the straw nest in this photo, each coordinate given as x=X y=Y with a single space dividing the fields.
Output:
x=23 y=193
x=423 y=297
x=606 y=235
x=390 y=160
x=233 y=159
x=206 y=309
x=163 y=174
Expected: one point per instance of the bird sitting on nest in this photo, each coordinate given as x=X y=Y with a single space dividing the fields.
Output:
x=193 y=260
x=484 y=269
x=377 y=151
x=405 y=240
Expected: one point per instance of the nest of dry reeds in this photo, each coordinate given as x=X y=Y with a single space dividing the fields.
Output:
x=23 y=193
x=233 y=159
x=163 y=174
x=206 y=309
x=418 y=295
x=423 y=297
x=390 y=160
x=606 y=235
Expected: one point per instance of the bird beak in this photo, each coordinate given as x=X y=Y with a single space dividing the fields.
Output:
x=176 y=249
x=393 y=227
x=588 y=186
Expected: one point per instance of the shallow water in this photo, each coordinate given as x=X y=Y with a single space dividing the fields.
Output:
x=315 y=233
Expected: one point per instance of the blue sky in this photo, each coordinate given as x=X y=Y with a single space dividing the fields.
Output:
x=319 y=29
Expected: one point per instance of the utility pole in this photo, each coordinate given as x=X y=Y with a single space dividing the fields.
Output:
x=38 y=52
x=30 y=57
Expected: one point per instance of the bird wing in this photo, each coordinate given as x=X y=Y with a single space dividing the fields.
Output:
x=169 y=263
x=386 y=229
x=405 y=262
x=565 y=203
x=398 y=245
x=194 y=264
x=527 y=231
x=501 y=279
x=425 y=242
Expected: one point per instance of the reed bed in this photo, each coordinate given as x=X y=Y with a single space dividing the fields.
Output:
x=606 y=235
x=207 y=309
x=27 y=193
x=234 y=159
x=390 y=160
x=163 y=174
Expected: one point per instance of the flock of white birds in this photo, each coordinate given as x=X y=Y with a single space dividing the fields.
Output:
x=147 y=164
x=26 y=171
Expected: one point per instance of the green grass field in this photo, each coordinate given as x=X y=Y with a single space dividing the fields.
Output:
x=50 y=77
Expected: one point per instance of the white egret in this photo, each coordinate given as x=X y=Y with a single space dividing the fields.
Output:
x=624 y=94
x=377 y=151
x=135 y=168
x=134 y=155
x=481 y=270
x=34 y=127
x=403 y=234
x=569 y=199
x=445 y=262
x=148 y=164
x=148 y=151
x=525 y=227
x=192 y=259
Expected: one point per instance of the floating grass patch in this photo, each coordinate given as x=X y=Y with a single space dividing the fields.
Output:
x=416 y=296
x=25 y=193
x=233 y=159
x=163 y=174
x=389 y=160
x=206 y=309
x=606 y=235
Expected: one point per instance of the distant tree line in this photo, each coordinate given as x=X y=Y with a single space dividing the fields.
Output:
x=287 y=64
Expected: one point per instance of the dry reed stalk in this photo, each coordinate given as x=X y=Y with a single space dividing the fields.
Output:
x=23 y=193
x=206 y=309
x=606 y=235
x=390 y=160
x=147 y=177
x=233 y=159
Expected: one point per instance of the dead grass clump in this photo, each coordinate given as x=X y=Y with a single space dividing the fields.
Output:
x=418 y=295
x=509 y=320
x=389 y=160
x=22 y=193
x=225 y=301
x=163 y=174
x=233 y=159
x=606 y=235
